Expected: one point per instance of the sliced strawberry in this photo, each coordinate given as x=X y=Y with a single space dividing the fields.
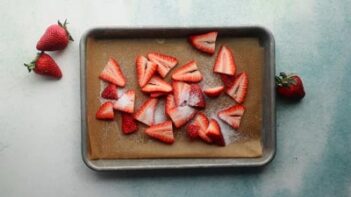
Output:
x=146 y=112
x=145 y=70
x=126 y=102
x=128 y=123
x=204 y=42
x=162 y=132
x=188 y=73
x=105 y=111
x=110 y=92
x=170 y=103
x=239 y=89
x=232 y=115
x=201 y=121
x=181 y=115
x=192 y=131
x=225 y=62
x=196 y=98
x=156 y=84
x=228 y=80
x=165 y=62
x=157 y=94
x=214 y=132
x=214 y=92
x=181 y=93
x=112 y=73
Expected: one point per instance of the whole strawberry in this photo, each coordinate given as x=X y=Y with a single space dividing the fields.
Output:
x=43 y=64
x=56 y=37
x=290 y=86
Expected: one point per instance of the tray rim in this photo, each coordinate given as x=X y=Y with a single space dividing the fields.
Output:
x=268 y=155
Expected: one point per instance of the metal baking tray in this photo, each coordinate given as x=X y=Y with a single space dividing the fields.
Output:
x=268 y=133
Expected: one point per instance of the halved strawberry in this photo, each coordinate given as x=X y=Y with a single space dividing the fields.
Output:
x=181 y=115
x=214 y=92
x=128 y=123
x=214 y=132
x=156 y=84
x=112 y=73
x=239 y=89
x=145 y=70
x=165 y=62
x=204 y=42
x=228 y=80
x=232 y=115
x=170 y=103
x=110 y=92
x=126 y=102
x=105 y=111
x=196 y=98
x=162 y=132
x=181 y=92
x=192 y=131
x=157 y=94
x=188 y=73
x=201 y=121
x=146 y=112
x=225 y=62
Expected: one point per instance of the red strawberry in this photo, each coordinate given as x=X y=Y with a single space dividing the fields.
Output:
x=290 y=87
x=232 y=115
x=192 y=131
x=196 y=98
x=181 y=115
x=181 y=92
x=110 y=92
x=156 y=84
x=170 y=103
x=239 y=89
x=214 y=92
x=112 y=73
x=165 y=62
x=157 y=94
x=204 y=42
x=214 y=132
x=145 y=70
x=201 y=121
x=55 y=38
x=105 y=111
x=146 y=112
x=188 y=73
x=43 y=64
x=162 y=132
x=225 y=62
x=128 y=123
x=228 y=80
x=126 y=102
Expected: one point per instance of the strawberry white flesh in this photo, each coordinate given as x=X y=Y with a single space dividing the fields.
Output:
x=165 y=62
x=126 y=102
x=145 y=70
x=157 y=84
x=225 y=63
x=196 y=97
x=238 y=90
x=146 y=112
x=181 y=115
x=112 y=73
x=214 y=92
x=105 y=111
x=162 y=132
x=232 y=115
x=204 y=42
x=181 y=92
x=187 y=73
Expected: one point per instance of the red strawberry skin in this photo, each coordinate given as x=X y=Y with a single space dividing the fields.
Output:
x=110 y=92
x=196 y=97
x=227 y=80
x=105 y=111
x=192 y=131
x=128 y=123
x=214 y=132
x=56 y=37
x=214 y=92
x=290 y=87
x=45 y=65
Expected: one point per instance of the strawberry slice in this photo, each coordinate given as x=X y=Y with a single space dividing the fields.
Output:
x=239 y=89
x=156 y=84
x=146 y=112
x=196 y=97
x=145 y=70
x=165 y=62
x=188 y=73
x=214 y=132
x=192 y=131
x=204 y=42
x=126 y=102
x=232 y=115
x=110 y=92
x=181 y=92
x=181 y=115
x=201 y=121
x=214 y=92
x=225 y=62
x=105 y=111
x=128 y=123
x=162 y=132
x=170 y=103
x=157 y=94
x=228 y=80
x=112 y=73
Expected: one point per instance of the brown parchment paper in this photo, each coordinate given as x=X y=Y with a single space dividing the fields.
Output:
x=106 y=140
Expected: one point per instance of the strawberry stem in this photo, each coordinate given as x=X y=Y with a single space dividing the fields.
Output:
x=64 y=26
x=32 y=64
